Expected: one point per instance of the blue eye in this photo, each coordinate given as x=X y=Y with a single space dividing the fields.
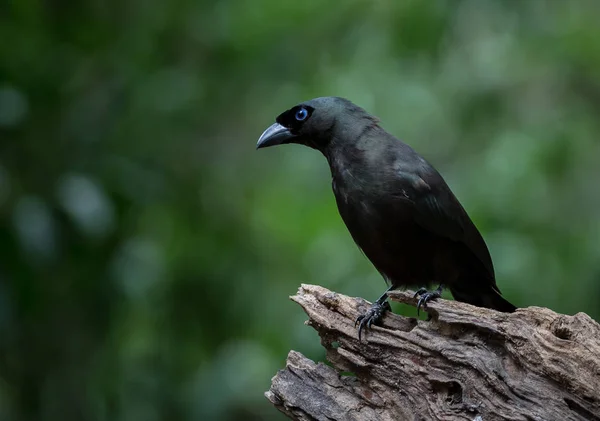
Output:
x=301 y=114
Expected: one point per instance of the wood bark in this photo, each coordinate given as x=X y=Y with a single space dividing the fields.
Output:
x=466 y=363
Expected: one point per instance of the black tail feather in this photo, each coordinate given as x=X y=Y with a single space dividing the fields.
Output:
x=489 y=298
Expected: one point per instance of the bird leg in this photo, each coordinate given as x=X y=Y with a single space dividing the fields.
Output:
x=426 y=296
x=373 y=314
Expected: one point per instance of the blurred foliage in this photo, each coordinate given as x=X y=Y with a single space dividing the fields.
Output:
x=148 y=252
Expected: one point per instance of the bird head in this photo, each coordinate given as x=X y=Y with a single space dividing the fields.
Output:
x=314 y=123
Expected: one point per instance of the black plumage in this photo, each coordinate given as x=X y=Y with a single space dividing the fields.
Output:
x=397 y=207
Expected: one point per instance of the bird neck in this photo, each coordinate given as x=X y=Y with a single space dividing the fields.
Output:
x=349 y=165
x=366 y=161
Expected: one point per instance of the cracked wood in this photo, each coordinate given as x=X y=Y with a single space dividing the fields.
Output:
x=466 y=363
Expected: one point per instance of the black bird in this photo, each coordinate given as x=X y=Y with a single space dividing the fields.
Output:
x=397 y=207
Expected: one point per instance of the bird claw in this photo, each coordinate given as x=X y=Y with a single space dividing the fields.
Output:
x=372 y=316
x=425 y=297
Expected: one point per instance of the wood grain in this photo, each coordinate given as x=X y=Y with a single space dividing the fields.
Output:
x=466 y=363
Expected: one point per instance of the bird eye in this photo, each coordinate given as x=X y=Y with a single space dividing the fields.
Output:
x=301 y=114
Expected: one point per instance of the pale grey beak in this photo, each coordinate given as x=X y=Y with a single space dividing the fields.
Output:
x=276 y=134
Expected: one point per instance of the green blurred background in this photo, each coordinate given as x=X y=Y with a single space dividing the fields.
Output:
x=148 y=251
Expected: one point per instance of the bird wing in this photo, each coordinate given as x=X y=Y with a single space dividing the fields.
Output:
x=439 y=211
x=437 y=218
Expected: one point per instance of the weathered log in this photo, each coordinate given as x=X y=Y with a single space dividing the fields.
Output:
x=466 y=363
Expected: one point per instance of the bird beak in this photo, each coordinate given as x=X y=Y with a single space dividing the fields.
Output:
x=274 y=135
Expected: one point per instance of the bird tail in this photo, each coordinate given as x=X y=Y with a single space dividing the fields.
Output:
x=489 y=298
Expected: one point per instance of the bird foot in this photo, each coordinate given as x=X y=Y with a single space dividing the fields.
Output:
x=426 y=296
x=372 y=316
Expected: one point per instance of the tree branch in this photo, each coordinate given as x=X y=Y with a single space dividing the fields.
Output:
x=466 y=363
